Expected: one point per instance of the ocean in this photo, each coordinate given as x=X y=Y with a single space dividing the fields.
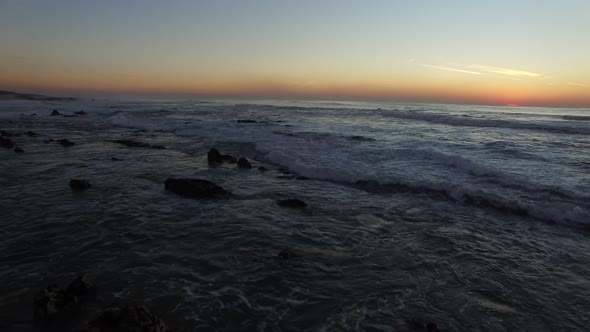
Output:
x=476 y=218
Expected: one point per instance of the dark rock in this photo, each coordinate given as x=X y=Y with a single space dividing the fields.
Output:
x=50 y=304
x=362 y=138
x=229 y=158
x=244 y=163
x=131 y=318
x=431 y=327
x=6 y=142
x=284 y=170
x=5 y=133
x=196 y=188
x=115 y=159
x=292 y=203
x=286 y=177
x=48 y=140
x=69 y=116
x=18 y=150
x=262 y=169
x=213 y=156
x=80 y=113
x=55 y=112
x=78 y=184
x=288 y=255
x=54 y=304
x=65 y=142
x=301 y=178
x=31 y=134
x=80 y=288
x=247 y=121
x=136 y=144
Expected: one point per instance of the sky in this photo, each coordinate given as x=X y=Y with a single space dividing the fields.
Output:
x=501 y=52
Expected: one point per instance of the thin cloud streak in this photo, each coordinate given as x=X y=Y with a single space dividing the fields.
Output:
x=576 y=84
x=453 y=69
x=505 y=71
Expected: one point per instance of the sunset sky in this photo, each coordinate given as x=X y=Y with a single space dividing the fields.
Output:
x=526 y=52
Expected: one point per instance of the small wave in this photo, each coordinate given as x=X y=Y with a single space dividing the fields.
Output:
x=481 y=122
x=576 y=117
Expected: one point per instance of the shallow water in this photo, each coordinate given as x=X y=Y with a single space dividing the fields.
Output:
x=475 y=218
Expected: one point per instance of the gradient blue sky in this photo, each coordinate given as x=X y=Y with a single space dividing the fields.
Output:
x=521 y=52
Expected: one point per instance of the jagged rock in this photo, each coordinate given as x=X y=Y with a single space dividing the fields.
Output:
x=5 y=133
x=6 y=142
x=196 y=188
x=262 y=169
x=136 y=144
x=244 y=163
x=213 y=156
x=18 y=150
x=80 y=113
x=292 y=203
x=65 y=142
x=78 y=184
x=55 y=112
x=131 y=318
x=229 y=158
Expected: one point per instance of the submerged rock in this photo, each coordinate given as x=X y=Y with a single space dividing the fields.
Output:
x=131 y=318
x=53 y=303
x=31 y=134
x=244 y=163
x=196 y=188
x=262 y=169
x=18 y=150
x=6 y=142
x=80 y=113
x=292 y=203
x=247 y=121
x=288 y=255
x=136 y=144
x=5 y=133
x=213 y=156
x=65 y=142
x=115 y=159
x=55 y=112
x=284 y=170
x=78 y=184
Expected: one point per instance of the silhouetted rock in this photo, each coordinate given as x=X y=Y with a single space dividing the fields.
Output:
x=229 y=158
x=18 y=150
x=6 y=142
x=196 y=188
x=131 y=318
x=55 y=112
x=136 y=144
x=115 y=159
x=80 y=288
x=247 y=121
x=78 y=184
x=244 y=163
x=213 y=156
x=31 y=134
x=431 y=327
x=292 y=203
x=80 y=113
x=65 y=142
x=5 y=133
x=262 y=169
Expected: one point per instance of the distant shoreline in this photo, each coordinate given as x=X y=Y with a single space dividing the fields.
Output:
x=10 y=95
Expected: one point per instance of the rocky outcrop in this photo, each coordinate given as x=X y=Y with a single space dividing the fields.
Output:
x=214 y=156
x=55 y=112
x=5 y=133
x=196 y=188
x=80 y=113
x=292 y=203
x=78 y=184
x=136 y=144
x=131 y=318
x=244 y=163
x=54 y=303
